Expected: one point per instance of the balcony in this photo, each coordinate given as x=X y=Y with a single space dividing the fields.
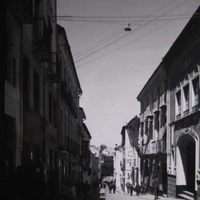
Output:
x=53 y=74
x=42 y=40
x=195 y=108
x=153 y=146
x=22 y=10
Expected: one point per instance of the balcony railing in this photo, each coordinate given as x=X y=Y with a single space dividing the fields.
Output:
x=195 y=108
x=22 y=10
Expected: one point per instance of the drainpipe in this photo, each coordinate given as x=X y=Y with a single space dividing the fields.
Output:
x=21 y=91
x=44 y=114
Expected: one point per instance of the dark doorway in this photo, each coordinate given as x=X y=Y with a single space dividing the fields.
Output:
x=190 y=171
x=187 y=150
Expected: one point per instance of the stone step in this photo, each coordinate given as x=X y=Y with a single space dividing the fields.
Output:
x=188 y=193
x=185 y=196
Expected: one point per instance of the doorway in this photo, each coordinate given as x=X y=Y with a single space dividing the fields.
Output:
x=187 y=153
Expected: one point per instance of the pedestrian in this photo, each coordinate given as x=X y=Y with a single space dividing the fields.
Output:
x=127 y=186
x=40 y=183
x=110 y=187
x=114 y=187
x=131 y=189
x=73 y=191
x=86 y=189
x=156 y=187
x=137 y=189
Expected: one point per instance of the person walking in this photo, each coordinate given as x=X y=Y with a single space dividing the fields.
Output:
x=137 y=189
x=114 y=187
x=128 y=186
x=131 y=189
x=156 y=187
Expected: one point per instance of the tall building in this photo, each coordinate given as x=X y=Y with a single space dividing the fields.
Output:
x=153 y=130
x=182 y=63
x=70 y=116
x=43 y=121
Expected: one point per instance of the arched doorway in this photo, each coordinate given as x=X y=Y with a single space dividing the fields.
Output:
x=186 y=164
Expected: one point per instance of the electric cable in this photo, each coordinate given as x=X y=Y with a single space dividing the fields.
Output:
x=98 y=43
x=110 y=37
x=132 y=40
x=111 y=42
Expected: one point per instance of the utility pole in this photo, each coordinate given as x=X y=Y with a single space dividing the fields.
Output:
x=3 y=66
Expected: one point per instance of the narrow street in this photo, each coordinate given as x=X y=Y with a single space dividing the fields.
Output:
x=121 y=196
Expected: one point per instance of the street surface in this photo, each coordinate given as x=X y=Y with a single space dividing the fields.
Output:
x=121 y=196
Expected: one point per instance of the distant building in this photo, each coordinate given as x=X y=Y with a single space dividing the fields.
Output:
x=117 y=167
x=107 y=163
x=133 y=133
x=94 y=162
x=127 y=158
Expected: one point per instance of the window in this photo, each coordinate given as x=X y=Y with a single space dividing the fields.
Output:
x=36 y=91
x=9 y=56
x=50 y=108
x=11 y=72
x=142 y=129
x=26 y=81
x=186 y=99
x=14 y=72
x=195 y=94
x=178 y=104
x=158 y=94
x=156 y=121
x=150 y=129
x=54 y=112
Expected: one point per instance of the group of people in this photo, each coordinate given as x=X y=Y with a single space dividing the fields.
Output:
x=112 y=186
x=141 y=189
x=130 y=188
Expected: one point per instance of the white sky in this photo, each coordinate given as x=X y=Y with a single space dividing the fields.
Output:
x=113 y=65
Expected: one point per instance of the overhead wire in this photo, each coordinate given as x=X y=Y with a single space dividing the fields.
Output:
x=76 y=56
x=103 y=47
x=119 y=21
x=108 y=53
x=116 y=39
x=98 y=43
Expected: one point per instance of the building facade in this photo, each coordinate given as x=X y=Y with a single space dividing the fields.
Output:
x=86 y=155
x=133 y=133
x=127 y=158
x=152 y=133
x=43 y=121
x=182 y=64
x=117 y=168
